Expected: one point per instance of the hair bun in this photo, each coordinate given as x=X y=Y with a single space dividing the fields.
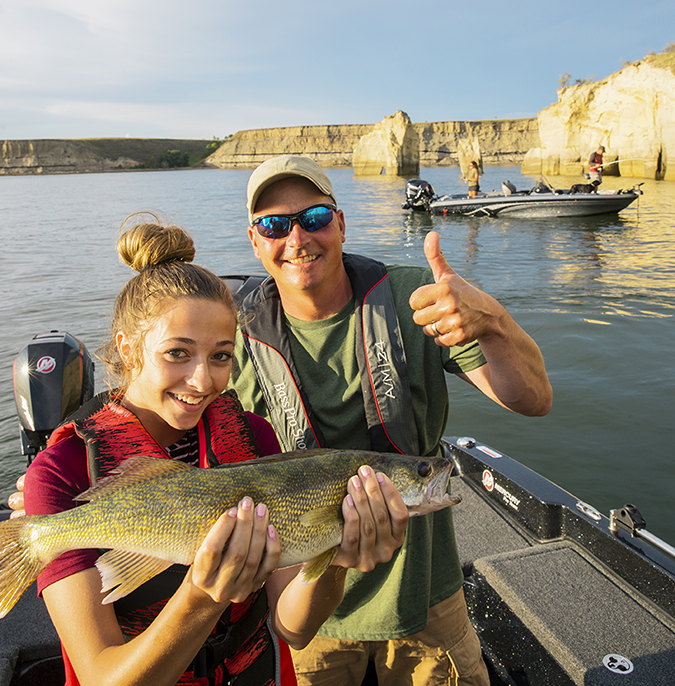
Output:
x=150 y=243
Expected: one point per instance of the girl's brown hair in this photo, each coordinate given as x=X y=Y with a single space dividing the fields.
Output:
x=162 y=253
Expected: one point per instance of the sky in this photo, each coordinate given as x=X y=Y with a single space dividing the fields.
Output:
x=210 y=68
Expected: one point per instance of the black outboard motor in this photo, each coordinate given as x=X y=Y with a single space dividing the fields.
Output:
x=419 y=195
x=53 y=376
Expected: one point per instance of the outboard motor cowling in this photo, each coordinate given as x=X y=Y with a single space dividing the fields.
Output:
x=53 y=376
x=419 y=195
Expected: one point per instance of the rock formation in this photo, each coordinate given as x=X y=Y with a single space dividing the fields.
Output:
x=630 y=112
x=500 y=141
x=392 y=147
x=54 y=156
x=504 y=141
x=468 y=150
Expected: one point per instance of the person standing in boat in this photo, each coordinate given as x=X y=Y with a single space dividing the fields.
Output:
x=472 y=177
x=595 y=165
x=342 y=351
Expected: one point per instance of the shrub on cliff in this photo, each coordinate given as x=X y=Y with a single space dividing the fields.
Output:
x=173 y=158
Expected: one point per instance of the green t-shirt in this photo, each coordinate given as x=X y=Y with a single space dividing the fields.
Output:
x=391 y=601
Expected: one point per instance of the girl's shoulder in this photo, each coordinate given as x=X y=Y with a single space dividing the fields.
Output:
x=56 y=476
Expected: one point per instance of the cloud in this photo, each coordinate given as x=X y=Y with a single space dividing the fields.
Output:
x=76 y=68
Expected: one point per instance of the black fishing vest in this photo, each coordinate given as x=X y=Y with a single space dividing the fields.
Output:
x=243 y=644
x=379 y=352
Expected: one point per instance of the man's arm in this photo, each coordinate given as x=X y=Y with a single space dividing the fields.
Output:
x=515 y=375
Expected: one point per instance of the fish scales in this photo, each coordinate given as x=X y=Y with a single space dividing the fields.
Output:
x=152 y=513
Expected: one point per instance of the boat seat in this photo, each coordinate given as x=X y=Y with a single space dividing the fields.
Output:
x=583 y=614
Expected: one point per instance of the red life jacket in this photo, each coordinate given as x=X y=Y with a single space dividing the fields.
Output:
x=242 y=643
x=595 y=163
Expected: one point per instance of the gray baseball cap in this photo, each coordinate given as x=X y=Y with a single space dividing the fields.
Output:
x=284 y=167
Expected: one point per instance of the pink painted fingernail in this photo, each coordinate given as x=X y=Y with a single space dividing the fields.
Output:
x=380 y=477
x=232 y=512
x=260 y=510
x=350 y=502
x=356 y=483
x=365 y=471
x=246 y=503
x=271 y=531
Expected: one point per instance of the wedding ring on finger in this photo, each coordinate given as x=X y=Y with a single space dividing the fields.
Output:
x=435 y=330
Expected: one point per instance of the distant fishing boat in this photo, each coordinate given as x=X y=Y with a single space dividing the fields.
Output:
x=541 y=201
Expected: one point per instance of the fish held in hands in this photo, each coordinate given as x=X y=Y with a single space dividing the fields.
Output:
x=151 y=513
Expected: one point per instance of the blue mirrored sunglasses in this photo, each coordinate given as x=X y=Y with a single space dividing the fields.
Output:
x=279 y=225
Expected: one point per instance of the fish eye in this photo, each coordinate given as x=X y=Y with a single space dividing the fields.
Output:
x=424 y=469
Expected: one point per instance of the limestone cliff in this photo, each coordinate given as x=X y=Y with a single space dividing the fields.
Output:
x=630 y=112
x=329 y=145
x=503 y=141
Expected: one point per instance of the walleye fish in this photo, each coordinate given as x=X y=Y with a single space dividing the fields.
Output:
x=151 y=513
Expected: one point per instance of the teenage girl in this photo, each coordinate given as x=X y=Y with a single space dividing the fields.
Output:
x=171 y=347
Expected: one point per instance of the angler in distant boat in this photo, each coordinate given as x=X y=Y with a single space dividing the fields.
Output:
x=471 y=178
x=595 y=165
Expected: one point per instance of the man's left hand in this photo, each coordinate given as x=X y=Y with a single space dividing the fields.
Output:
x=451 y=309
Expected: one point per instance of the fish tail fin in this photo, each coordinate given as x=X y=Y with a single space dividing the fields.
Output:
x=19 y=566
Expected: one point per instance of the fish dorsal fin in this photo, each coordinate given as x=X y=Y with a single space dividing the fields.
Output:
x=313 y=569
x=321 y=516
x=132 y=471
x=280 y=457
x=125 y=572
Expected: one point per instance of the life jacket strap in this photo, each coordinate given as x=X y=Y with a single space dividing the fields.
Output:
x=224 y=645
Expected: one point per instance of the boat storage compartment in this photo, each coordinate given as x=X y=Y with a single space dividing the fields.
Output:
x=555 y=597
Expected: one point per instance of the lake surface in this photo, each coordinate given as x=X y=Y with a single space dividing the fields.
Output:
x=596 y=293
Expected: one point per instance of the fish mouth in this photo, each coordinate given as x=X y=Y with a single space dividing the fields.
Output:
x=435 y=496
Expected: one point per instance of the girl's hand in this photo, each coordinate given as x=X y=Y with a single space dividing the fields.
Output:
x=237 y=556
x=15 y=500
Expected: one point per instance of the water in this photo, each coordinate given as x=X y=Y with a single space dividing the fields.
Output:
x=596 y=293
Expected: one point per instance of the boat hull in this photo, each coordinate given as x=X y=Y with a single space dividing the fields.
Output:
x=536 y=206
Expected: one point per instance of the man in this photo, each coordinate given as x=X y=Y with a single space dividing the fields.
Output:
x=595 y=165
x=339 y=351
x=472 y=177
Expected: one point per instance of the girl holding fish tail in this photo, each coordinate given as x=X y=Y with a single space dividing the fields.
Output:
x=209 y=620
